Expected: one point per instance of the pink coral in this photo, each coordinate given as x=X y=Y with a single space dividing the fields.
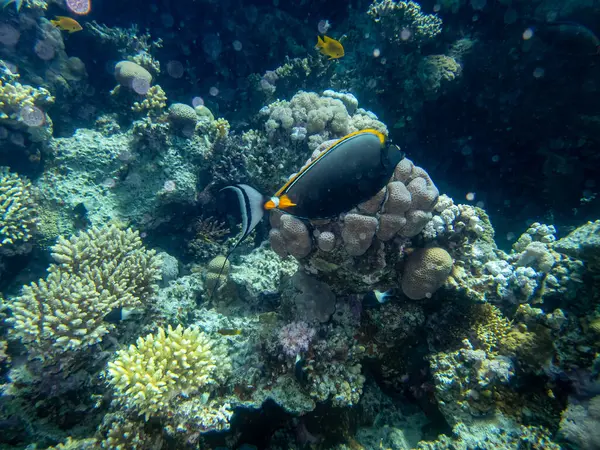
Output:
x=295 y=338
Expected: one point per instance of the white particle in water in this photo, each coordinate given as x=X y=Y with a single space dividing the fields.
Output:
x=32 y=116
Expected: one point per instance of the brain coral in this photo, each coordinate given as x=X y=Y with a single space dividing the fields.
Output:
x=183 y=116
x=127 y=71
x=17 y=210
x=94 y=272
x=149 y=376
x=425 y=272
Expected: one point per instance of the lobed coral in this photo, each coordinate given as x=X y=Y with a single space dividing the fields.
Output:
x=362 y=243
x=149 y=376
x=93 y=273
x=18 y=217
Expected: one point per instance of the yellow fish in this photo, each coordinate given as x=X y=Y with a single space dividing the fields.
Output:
x=229 y=331
x=66 y=24
x=330 y=47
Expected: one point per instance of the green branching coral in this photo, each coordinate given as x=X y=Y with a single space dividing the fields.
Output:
x=95 y=272
x=404 y=21
x=147 y=377
x=17 y=209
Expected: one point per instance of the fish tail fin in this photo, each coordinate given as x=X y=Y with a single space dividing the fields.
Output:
x=320 y=43
x=5 y=3
x=18 y=4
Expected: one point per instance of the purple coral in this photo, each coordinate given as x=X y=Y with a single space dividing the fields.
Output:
x=295 y=338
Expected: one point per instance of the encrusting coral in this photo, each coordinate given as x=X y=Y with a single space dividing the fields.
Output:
x=94 y=272
x=18 y=216
x=149 y=376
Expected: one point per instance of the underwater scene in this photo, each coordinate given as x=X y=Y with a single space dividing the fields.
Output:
x=308 y=224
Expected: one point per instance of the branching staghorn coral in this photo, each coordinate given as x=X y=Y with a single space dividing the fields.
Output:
x=127 y=41
x=149 y=376
x=95 y=272
x=17 y=209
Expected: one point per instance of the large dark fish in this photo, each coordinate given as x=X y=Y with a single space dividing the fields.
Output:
x=569 y=37
x=349 y=172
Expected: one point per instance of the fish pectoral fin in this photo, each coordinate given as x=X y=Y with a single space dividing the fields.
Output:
x=285 y=202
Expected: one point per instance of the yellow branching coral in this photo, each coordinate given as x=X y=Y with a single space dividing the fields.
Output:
x=95 y=272
x=16 y=96
x=154 y=103
x=17 y=210
x=23 y=107
x=148 y=376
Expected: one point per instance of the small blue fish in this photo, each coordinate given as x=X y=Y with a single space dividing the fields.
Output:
x=382 y=296
x=18 y=3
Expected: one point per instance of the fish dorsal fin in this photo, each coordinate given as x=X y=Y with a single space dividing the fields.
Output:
x=251 y=207
x=252 y=211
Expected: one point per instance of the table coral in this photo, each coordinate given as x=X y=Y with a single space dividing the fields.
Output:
x=149 y=376
x=93 y=272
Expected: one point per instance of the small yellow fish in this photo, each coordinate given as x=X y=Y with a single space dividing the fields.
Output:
x=229 y=331
x=66 y=24
x=330 y=47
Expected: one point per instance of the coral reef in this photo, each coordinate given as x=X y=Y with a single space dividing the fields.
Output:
x=93 y=273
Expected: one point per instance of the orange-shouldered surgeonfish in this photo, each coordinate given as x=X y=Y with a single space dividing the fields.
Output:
x=352 y=170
